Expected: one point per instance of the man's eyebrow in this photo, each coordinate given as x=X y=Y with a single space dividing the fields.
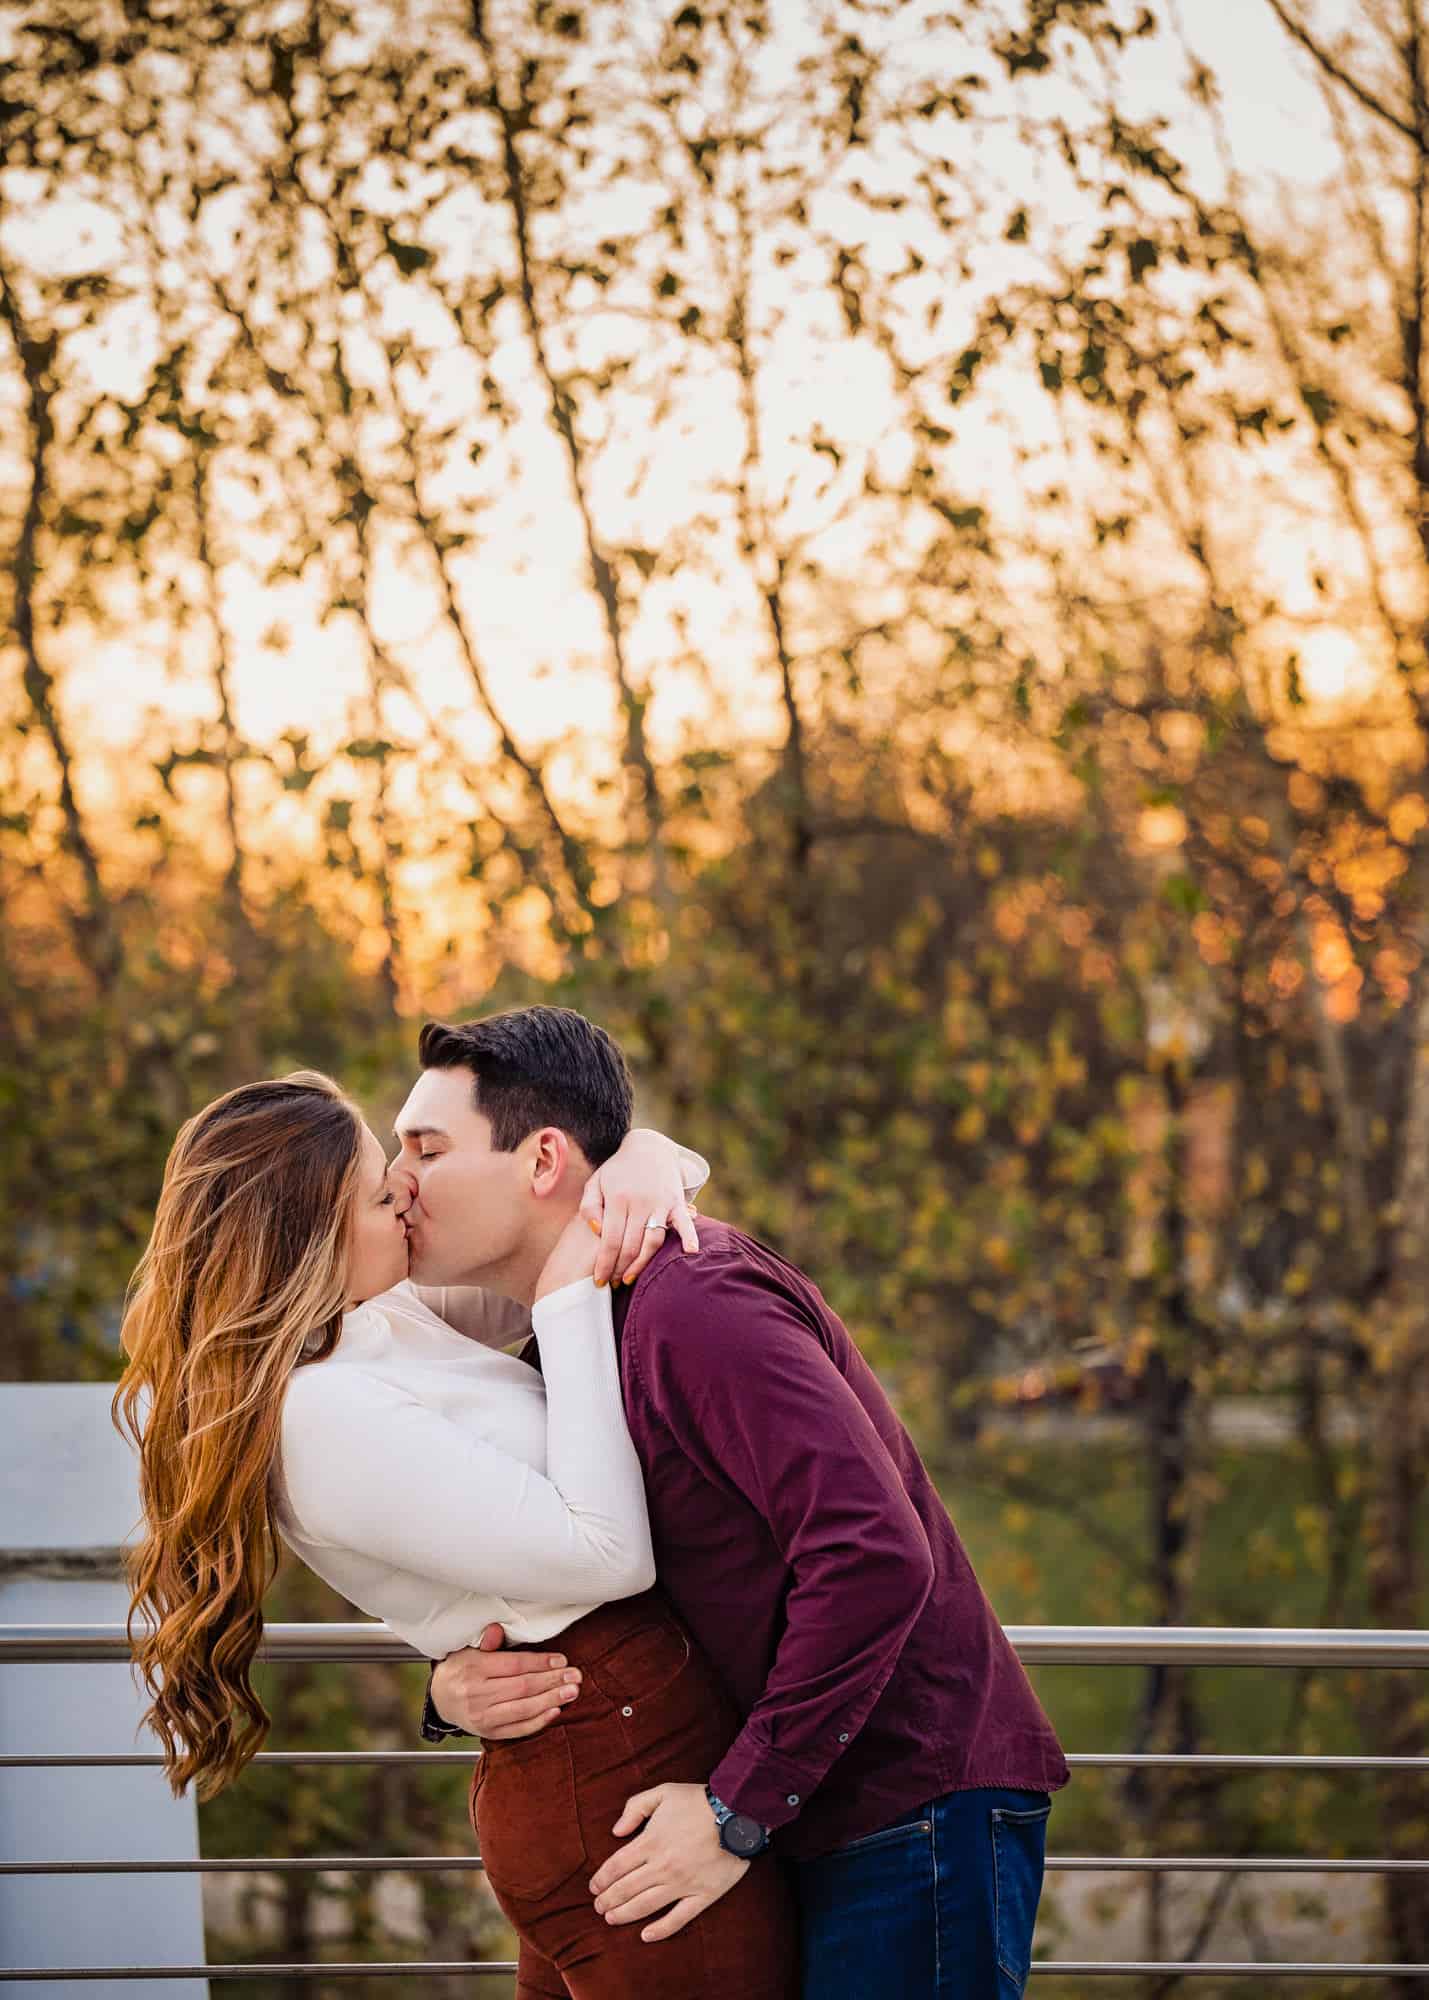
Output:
x=420 y=1132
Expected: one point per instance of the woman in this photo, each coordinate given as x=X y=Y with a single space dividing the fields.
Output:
x=285 y=1380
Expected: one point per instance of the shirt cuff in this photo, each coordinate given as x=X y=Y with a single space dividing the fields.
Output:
x=765 y=1787
x=556 y=1306
x=694 y=1170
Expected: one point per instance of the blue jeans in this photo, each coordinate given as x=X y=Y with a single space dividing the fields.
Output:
x=938 y=1906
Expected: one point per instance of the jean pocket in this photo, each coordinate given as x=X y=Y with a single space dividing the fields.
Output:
x=1019 y=1853
x=526 y=1818
x=915 y=1828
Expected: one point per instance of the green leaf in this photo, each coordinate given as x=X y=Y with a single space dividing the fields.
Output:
x=1182 y=892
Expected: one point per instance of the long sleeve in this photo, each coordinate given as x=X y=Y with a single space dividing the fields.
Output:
x=371 y=1469
x=746 y=1389
x=694 y=1169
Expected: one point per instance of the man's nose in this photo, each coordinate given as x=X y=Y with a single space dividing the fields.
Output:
x=404 y=1186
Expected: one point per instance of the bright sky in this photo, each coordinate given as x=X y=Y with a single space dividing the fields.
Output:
x=526 y=577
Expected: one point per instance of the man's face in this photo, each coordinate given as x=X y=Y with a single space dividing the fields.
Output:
x=472 y=1207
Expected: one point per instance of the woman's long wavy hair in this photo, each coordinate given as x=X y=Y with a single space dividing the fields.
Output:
x=242 y=1281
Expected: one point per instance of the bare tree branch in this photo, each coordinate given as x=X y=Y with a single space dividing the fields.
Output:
x=1313 y=46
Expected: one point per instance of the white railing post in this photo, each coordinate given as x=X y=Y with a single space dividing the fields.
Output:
x=68 y=1500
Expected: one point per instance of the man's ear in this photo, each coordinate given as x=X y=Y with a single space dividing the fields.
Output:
x=549 y=1161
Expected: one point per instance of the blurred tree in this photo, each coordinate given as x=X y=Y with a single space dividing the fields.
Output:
x=980 y=873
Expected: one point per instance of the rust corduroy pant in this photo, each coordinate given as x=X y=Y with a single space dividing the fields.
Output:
x=649 y=1712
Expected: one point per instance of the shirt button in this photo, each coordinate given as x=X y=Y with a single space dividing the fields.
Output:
x=627 y=1711
x=793 y=1799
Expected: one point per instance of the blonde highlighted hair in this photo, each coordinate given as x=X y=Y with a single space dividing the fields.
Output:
x=243 y=1280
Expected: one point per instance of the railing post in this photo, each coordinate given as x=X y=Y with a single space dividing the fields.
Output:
x=68 y=1499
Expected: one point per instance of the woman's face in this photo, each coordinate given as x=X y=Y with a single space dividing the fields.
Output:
x=377 y=1247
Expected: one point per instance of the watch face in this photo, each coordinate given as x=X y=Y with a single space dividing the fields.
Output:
x=743 y=1836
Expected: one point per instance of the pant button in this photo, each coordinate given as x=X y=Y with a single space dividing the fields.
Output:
x=627 y=1711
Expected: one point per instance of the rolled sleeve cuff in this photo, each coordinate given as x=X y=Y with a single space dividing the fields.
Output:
x=767 y=1788
x=694 y=1172
x=569 y=1306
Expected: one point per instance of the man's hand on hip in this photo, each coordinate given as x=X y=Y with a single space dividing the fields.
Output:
x=499 y=1695
x=677 y=1860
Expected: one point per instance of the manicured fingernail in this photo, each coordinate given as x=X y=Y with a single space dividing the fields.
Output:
x=573 y=1673
x=568 y=1694
x=600 y=1284
x=594 y=1227
x=556 y=1660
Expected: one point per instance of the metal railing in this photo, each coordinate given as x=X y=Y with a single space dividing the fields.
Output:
x=1037 y=1645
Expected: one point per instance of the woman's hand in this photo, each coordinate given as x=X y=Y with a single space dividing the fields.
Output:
x=640 y=1185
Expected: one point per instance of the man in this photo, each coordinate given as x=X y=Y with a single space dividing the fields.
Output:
x=892 y=1749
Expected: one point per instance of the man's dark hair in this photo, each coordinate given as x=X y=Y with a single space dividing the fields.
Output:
x=535 y=1066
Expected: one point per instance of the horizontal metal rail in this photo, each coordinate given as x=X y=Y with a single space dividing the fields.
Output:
x=1248 y=1968
x=1093 y=1760
x=396 y=1864
x=493 y=1968
x=1038 y=1645
x=276 y=1864
x=1156 y=1760
x=1064 y=1968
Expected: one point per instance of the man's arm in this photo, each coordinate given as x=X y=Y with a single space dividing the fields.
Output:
x=748 y=1391
x=513 y=1696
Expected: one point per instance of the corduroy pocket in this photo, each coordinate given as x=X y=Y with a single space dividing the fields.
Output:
x=525 y=1806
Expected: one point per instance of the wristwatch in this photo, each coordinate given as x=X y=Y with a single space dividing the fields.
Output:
x=738 y=1833
x=435 y=1728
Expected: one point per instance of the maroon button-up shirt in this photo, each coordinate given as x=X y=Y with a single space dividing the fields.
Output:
x=798 y=1535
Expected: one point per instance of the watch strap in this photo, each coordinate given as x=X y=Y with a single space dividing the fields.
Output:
x=434 y=1728
x=724 y=1813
